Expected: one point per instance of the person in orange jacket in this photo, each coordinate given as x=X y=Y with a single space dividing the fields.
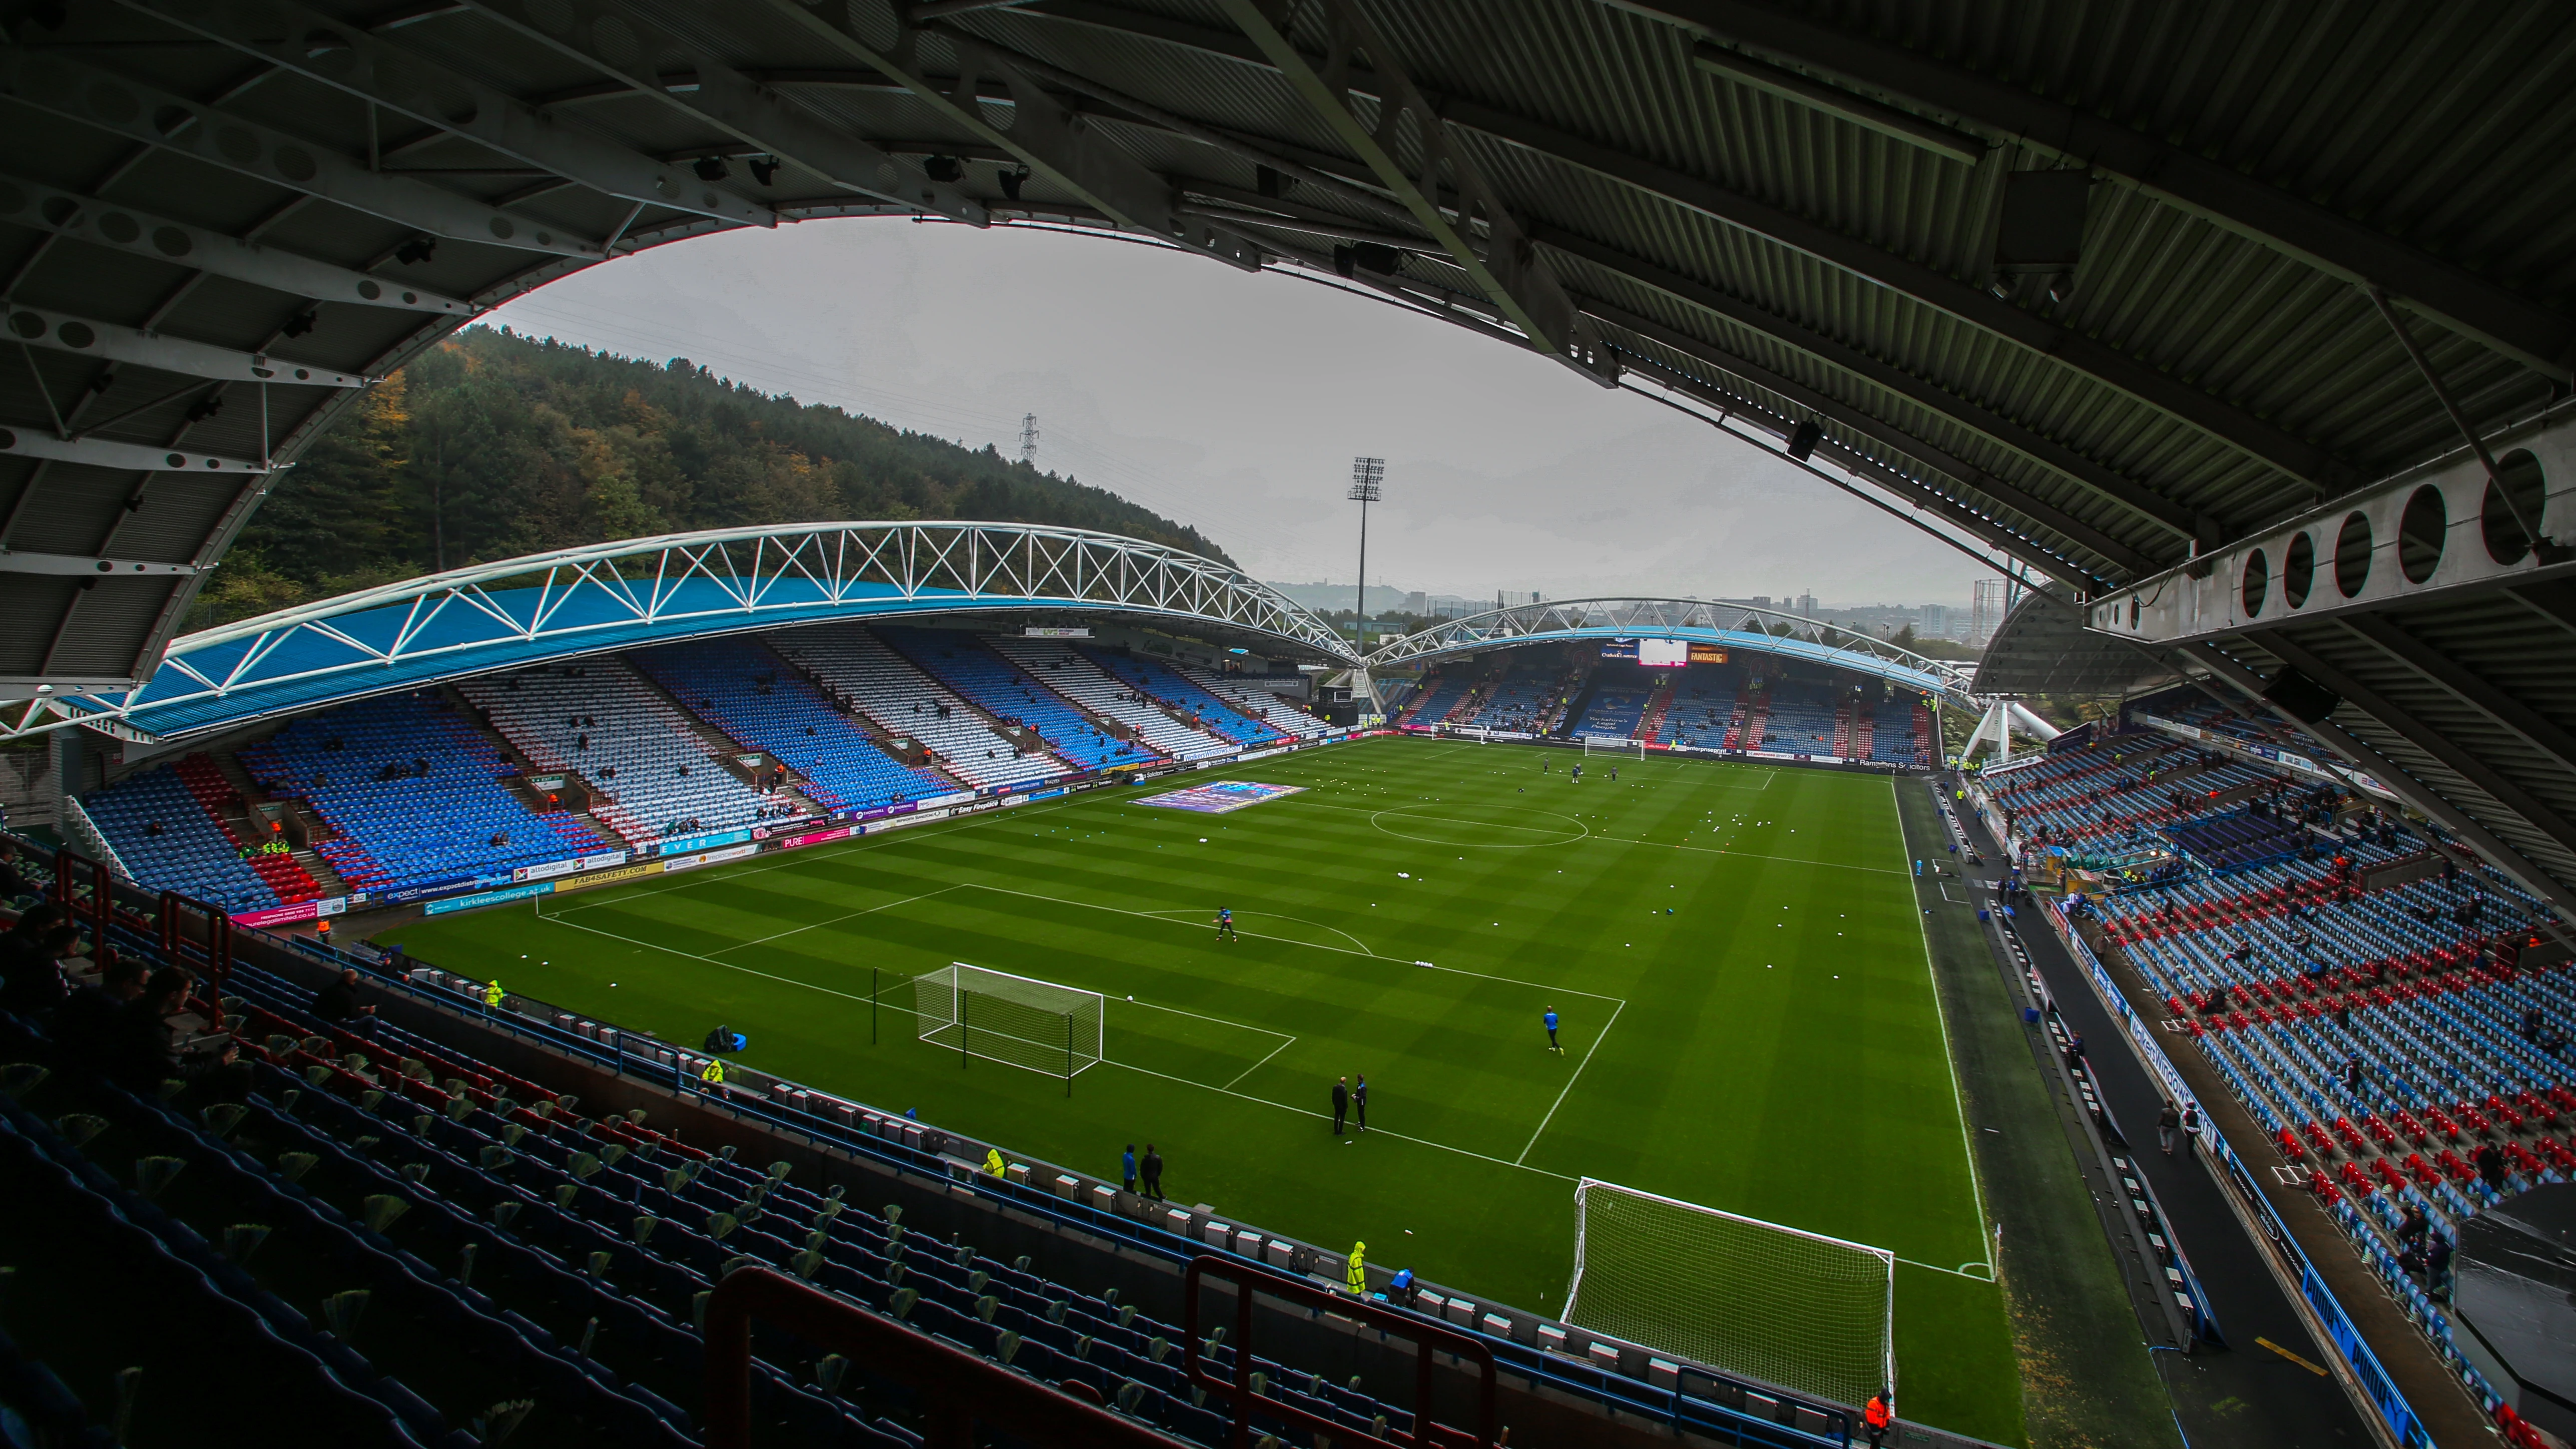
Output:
x=1876 y=1418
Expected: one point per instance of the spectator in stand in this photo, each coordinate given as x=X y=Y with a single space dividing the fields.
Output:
x=142 y=1051
x=35 y=982
x=13 y=884
x=338 y=1001
x=86 y=1022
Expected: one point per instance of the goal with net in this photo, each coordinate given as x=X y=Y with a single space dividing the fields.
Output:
x=1802 y=1310
x=1613 y=745
x=1016 y=1020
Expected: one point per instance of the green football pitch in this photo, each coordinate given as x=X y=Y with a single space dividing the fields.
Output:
x=1749 y=1019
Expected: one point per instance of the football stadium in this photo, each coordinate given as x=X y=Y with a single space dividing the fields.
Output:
x=994 y=972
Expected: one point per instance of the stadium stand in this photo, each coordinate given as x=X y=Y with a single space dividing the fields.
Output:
x=162 y=824
x=1704 y=709
x=757 y=698
x=1524 y=696
x=1899 y=731
x=1076 y=678
x=1006 y=692
x=1798 y=718
x=649 y=773
x=1175 y=692
x=478 y=1253
x=1260 y=702
x=2398 y=1024
x=859 y=669
x=414 y=792
x=1440 y=695
x=1617 y=705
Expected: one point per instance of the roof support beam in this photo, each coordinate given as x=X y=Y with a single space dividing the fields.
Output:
x=1059 y=145
x=2466 y=686
x=2065 y=347
x=2345 y=745
x=1505 y=266
x=140 y=233
x=398 y=78
x=2535 y=812
x=86 y=338
x=89 y=568
x=51 y=81
x=2212 y=189
x=1863 y=423
x=619 y=43
x=2108 y=484
x=124 y=457
x=1978 y=526
x=1975 y=306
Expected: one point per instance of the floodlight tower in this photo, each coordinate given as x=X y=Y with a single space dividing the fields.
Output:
x=1367 y=477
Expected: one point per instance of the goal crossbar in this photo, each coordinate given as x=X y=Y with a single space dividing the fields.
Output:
x=1019 y=1021
x=1800 y=1309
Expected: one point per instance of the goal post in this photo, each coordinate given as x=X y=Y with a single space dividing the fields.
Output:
x=1613 y=745
x=1018 y=1021
x=1798 y=1309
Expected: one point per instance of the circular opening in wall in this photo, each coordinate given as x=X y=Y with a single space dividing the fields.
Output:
x=2299 y=571
x=2133 y=611
x=2352 y=553
x=2258 y=582
x=2524 y=485
x=2421 y=530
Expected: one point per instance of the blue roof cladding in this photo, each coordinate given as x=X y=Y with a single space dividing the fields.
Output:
x=446 y=637
x=1772 y=644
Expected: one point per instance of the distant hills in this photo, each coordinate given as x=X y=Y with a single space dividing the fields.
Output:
x=493 y=444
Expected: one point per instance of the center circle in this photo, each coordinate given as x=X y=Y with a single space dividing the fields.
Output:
x=1480 y=827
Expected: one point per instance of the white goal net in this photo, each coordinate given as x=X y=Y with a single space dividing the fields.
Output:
x=1613 y=745
x=1015 y=1020
x=1801 y=1310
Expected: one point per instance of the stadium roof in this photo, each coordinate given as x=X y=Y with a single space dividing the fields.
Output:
x=1727 y=626
x=2094 y=287
x=566 y=604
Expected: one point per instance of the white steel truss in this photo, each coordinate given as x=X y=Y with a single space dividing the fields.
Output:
x=575 y=601
x=1735 y=626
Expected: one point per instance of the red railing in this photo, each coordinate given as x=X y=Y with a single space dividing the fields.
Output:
x=102 y=889
x=211 y=957
x=1427 y=1335
x=958 y=1389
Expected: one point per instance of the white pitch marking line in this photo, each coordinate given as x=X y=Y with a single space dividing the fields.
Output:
x=1309 y=945
x=1570 y=1081
x=1756 y=855
x=710 y=960
x=1176 y=1011
x=1949 y=1058
x=1320 y=1117
x=853 y=915
x=1265 y=1061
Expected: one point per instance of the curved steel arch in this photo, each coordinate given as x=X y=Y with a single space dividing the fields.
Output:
x=1739 y=626
x=650 y=590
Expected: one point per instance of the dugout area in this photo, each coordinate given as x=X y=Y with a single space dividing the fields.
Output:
x=1774 y=1046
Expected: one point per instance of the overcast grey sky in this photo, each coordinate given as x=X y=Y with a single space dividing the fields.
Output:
x=1235 y=403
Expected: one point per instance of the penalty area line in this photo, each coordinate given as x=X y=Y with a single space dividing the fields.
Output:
x=1569 y=1084
x=1321 y=1117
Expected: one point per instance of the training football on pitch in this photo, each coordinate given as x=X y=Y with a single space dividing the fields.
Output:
x=1734 y=951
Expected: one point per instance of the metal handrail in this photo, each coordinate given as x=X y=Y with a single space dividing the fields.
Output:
x=958 y=1388
x=1427 y=1335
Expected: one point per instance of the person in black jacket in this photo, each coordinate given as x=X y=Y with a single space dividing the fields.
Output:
x=32 y=978
x=1152 y=1171
x=139 y=1053
x=338 y=1001
x=1341 y=1103
x=85 y=1022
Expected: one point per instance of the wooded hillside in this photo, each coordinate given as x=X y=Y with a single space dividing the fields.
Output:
x=494 y=445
